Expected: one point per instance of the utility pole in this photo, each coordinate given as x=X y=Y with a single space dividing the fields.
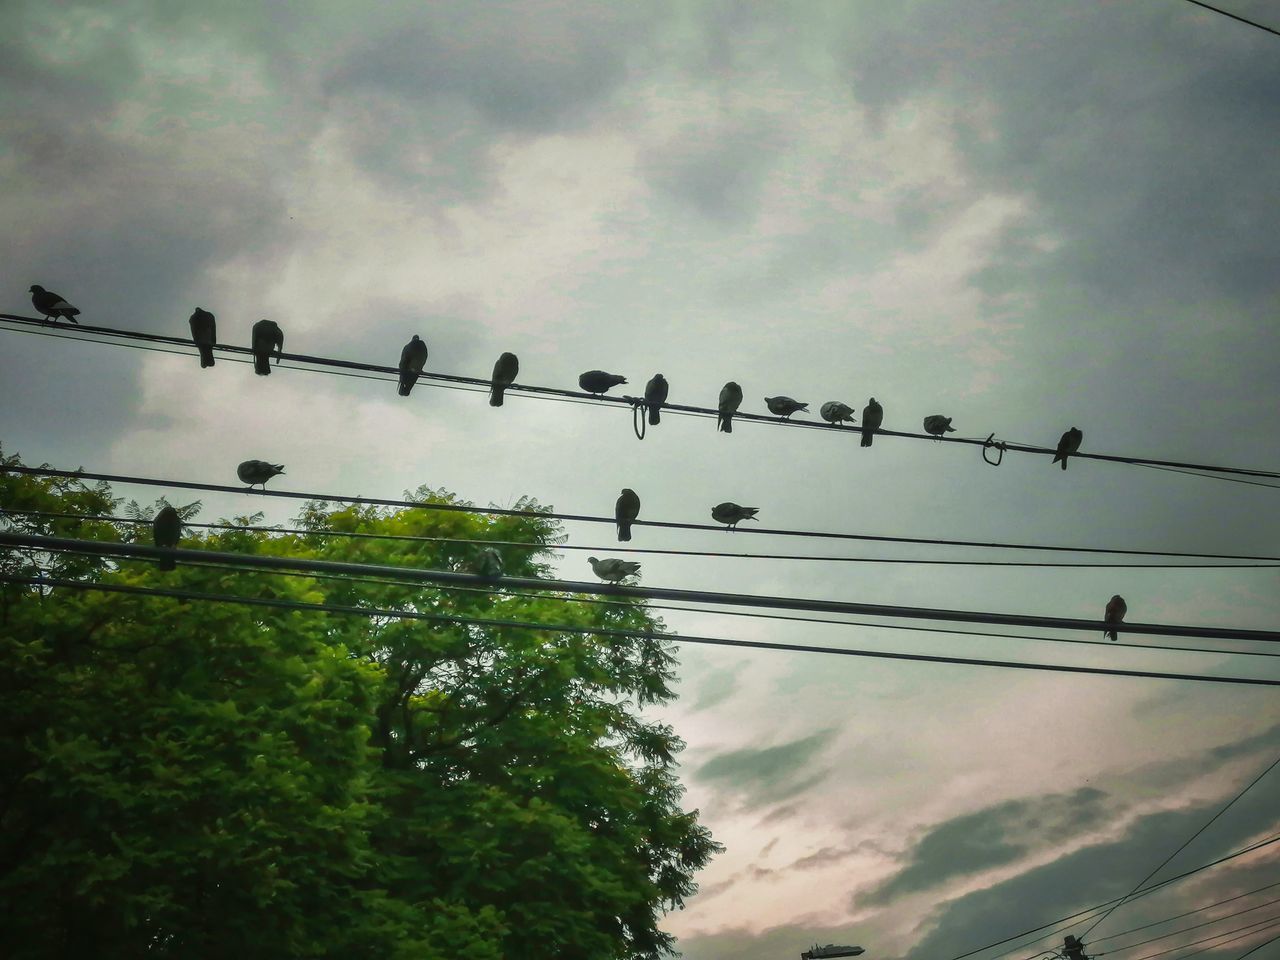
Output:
x=1072 y=948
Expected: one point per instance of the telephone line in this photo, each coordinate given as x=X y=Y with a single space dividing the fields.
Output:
x=1234 y=16
x=1257 y=927
x=1174 y=933
x=1179 y=916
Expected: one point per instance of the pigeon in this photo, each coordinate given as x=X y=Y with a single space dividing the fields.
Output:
x=730 y=400
x=614 y=570
x=166 y=528
x=872 y=417
x=597 y=381
x=655 y=395
x=412 y=359
x=937 y=425
x=732 y=514
x=833 y=411
x=204 y=332
x=1116 y=609
x=505 y=369
x=266 y=336
x=254 y=472
x=489 y=564
x=50 y=305
x=627 y=509
x=785 y=406
x=1068 y=445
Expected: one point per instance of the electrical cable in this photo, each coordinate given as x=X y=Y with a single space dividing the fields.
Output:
x=1179 y=916
x=1174 y=933
x=1255 y=927
x=1233 y=16
x=1264 y=943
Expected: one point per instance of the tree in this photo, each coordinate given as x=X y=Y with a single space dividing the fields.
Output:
x=191 y=778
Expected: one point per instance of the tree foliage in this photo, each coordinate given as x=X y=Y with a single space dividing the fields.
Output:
x=198 y=779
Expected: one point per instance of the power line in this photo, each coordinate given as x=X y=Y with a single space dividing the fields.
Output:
x=1255 y=927
x=676 y=408
x=1179 y=916
x=1247 y=952
x=1174 y=933
x=1233 y=16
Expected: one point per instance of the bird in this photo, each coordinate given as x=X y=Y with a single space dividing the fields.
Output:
x=937 y=425
x=412 y=359
x=626 y=510
x=266 y=336
x=655 y=395
x=254 y=472
x=612 y=569
x=730 y=400
x=785 y=406
x=1067 y=445
x=505 y=369
x=597 y=381
x=833 y=411
x=489 y=564
x=1116 y=609
x=166 y=529
x=872 y=417
x=51 y=305
x=732 y=514
x=204 y=332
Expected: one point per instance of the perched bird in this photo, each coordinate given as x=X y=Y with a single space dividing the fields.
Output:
x=937 y=425
x=1067 y=445
x=166 y=528
x=784 y=406
x=489 y=563
x=730 y=400
x=412 y=359
x=597 y=381
x=505 y=369
x=267 y=336
x=612 y=569
x=872 y=417
x=50 y=305
x=204 y=332
x=254 y=472
x=655 y=395
x=833 y=411
x=626 y=510
x=732 y=514
x=1116 y=609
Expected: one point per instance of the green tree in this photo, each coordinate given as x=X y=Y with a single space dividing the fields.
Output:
x=199 y=779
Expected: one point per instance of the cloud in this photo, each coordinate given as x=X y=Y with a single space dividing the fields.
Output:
x=768 y=774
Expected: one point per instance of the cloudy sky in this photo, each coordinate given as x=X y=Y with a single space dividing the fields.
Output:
x=1023 y=215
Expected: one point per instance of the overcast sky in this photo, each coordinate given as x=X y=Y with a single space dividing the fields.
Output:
x=1026 y=216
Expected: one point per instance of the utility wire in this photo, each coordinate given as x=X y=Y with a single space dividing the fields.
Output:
x=1247 y=952
x=518 y=389
x=1174 y=933
x=1255 y=927
x=1179 y=916
x=1235 y=17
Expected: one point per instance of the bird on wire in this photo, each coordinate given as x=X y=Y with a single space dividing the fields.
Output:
x=732 y=514
x=1116 y=609
x=412 y=359
x=655 y=395
x=626 y=510
x=51 y=305
x=1067 y=445
x=784 y=407
x=833 y=411
x=612 y=569
x=937 y=425
x=267 y=336
x=730 y=400
x=489 y=564
x=505 y=369
x=254 y=472
x=598 y=381
x=204 y=334
x=872 y=417
x=166 y=529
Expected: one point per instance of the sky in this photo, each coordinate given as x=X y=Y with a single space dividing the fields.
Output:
x=1024 y=216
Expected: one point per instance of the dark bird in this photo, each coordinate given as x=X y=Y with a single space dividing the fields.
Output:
x=254 y=472
x=833 y=411
x=166 y=528
x=612 y=569
x=1116 y=609
x=655 y=395
x=626 y=510
x=50 y=305
x=730 y=400
x=732 y=514
x=784 y=406
x=204 y=332
x=597 y=381
x=1068 y=445
x=937 y=425
x=872 y=417
x=489 y=564
x=505 y=369
x=412 y=359
x=267 y=336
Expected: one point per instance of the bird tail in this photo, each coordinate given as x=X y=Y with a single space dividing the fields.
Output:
x=624 y=530
x=72 y=318
x=725 y=422
x=1110 y=635
x=655 y=413
x=167 y=563
x=1064 y=463
x=496 y=393
x=206 y=356
x=262 y=364
x=867 y=436
x=406 y=384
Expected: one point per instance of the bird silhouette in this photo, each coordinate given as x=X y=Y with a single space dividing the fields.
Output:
x=505 y=369
x=730 y=400
x=1116 y=609
x=732 y=514
x=412 y=359
x=166 y=529
x=1067 y=445
x=598 y=382
x=489 y=564
x=872 y=417
x=267 y=336
x=254 y=472
x=833 y=411
x=655 y=395
x=51 y=305
x=937 y=425
x=612 y=569
x=626 y=510
x=204 y=333
x=784 y=406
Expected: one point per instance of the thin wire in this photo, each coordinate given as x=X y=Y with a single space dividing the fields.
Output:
x=1174 y=933
x=1255 y=927
x=1179 y=916
x=1246 y=953
x=1233 y=16
x=1203 y=476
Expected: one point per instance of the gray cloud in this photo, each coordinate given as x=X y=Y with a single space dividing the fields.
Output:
x=768 y=774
